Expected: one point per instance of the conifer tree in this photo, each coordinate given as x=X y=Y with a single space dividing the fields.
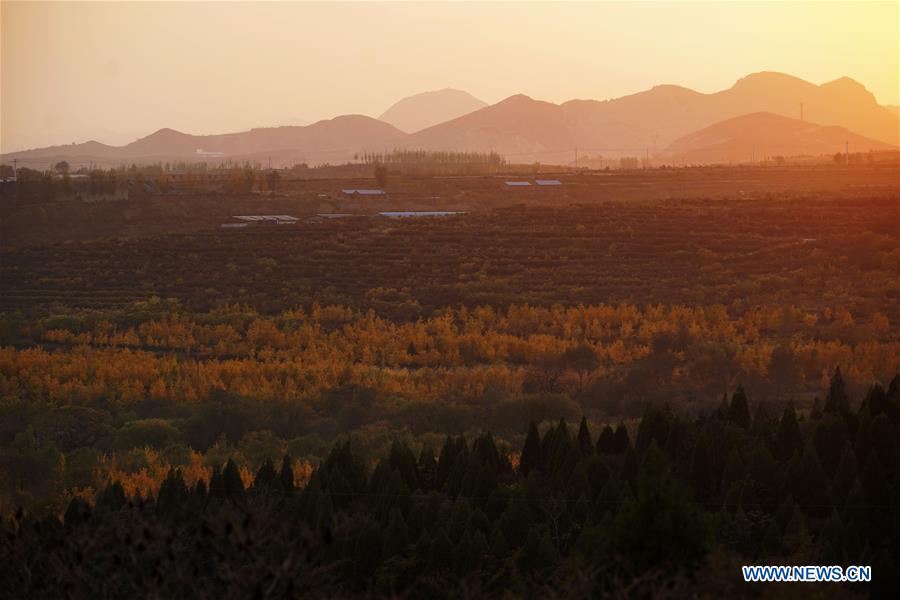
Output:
x=876 y=400
x=856 y=510
x=739 y=409
x=397 y=536
x=845 y=477
x=831 y=540
x=113 y=496
x=231 y=479
x=837 y=401
x=427 y=468
x=367 y=551
x=660 y=512
x=884 y=439
x=286 y=475
x=266 y=477
x=585 y=444
x=403 y=461
x=622 y=440
x=78 y=512
x=499 y=546
x=217 y=485
x=531 y=451
x=537 y=553
x=630 y=467
x=606 y=441
x=608 y=500
x=423 y=547
x=788 y=439
x=173 y=493
x=440 y=555
x=809 y=483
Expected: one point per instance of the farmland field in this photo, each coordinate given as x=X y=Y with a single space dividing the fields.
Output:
x=140 y=337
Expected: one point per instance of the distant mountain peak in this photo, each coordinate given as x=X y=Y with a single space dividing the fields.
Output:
x=517 y=98
x=421 y=111
x=769 y=77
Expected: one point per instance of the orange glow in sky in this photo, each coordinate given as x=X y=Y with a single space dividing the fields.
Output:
x=116 y=71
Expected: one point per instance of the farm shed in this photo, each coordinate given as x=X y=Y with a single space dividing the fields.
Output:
x=548 y=182
x=265 y=219
x=363 y=192
x=402 y=214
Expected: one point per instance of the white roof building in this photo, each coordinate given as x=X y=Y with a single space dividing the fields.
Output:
x=400 y=214
x=271 y=219
x=363 y=192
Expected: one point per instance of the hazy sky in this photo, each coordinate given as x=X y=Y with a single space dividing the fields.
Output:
x=114 y=71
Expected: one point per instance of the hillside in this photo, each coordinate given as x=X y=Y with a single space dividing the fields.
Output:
x=333 y=140
x=519 y=127
x=430 y=108
x=763 y=134
x=653 y=119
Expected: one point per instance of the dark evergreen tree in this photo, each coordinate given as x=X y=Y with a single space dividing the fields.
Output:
x=231 y=479
x=585 y=444
x=606 y=443
x=499 y=546
x=423 y=547
x=173 y=493
x=78 y=512
x=739 y=409
x=837 y=401
x=113 y=497
x=538 y=552
x=530 y=458
x=875 y=401
x=367 y=551
x=217 y=485
x=809 y=484
x=654 y=427
x=397 y=536
x=630 y=467
x=788 y=439
x=608 y=500
x=829 y=437
x=622 y=440
x=884 y=439
x=845 y=477
x=286 y=475
x=660 y=512
x=440 y=555
x=266 y=478
x=427 y=468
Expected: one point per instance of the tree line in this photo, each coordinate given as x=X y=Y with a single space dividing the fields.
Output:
x=572 y=511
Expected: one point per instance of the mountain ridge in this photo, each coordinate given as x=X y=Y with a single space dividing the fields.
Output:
x=419 y=111
x=526 y=129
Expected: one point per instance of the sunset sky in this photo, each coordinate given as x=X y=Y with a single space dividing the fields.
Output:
x=116 y=71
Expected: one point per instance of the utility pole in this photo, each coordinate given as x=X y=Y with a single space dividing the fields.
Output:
x=846 y=153
x=16 y=170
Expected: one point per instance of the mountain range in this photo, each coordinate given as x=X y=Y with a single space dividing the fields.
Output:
x=761 y=111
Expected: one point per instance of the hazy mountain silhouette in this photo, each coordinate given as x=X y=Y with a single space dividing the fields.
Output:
x=763 y=134
x=653 y=119
x=524 y=129
x=332 y=139
x=430 y=108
